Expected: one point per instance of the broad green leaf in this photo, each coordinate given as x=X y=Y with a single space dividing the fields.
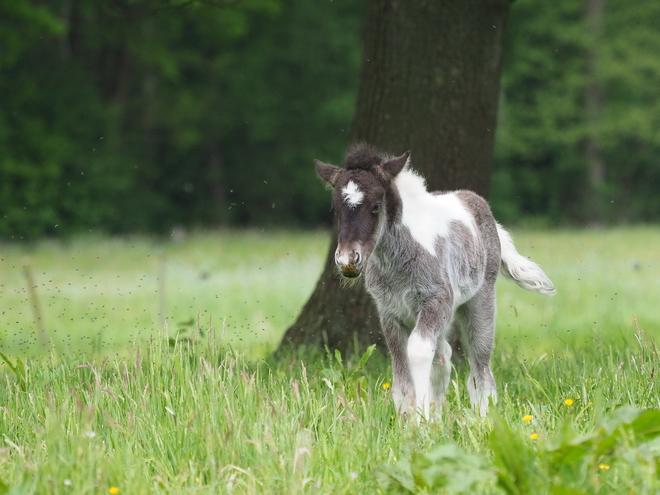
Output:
x=513 y=458
x=363 y=360
x=450 y=468
x=338 y=357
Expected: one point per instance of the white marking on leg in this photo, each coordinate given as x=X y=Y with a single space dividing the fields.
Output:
x=403 y=402
x=352 y=194
x=421 y=352
x=481 y=386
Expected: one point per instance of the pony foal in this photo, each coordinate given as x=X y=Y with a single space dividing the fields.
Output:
x=430 y=261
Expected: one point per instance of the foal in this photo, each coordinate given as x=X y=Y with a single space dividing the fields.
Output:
x=430 y=262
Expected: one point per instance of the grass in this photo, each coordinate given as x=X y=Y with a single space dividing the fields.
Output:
x=114 y=403
x=100 y=294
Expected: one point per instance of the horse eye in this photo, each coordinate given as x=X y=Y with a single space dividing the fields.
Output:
x=376 y=208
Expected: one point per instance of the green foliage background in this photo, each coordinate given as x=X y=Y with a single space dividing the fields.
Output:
x=140 y=115
x=541 y=169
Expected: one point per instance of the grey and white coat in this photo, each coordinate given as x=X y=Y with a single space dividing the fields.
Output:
x=430 y=261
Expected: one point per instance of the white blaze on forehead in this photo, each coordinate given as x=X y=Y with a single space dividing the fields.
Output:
x=352 y=194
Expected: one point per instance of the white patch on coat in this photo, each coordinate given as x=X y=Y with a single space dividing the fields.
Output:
x=352 y=194
x=429 y=216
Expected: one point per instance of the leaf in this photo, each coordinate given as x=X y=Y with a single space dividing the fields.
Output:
x=621 y=416
x=28 y=486
x=571 y=455
x=338 y=357
x=569 y=447
x=363 y=361
x=19 y=370
x=513 y=458
x=446 y=469
x=8 y=362
x=564 y=490
x=642 y=424
x=646 y=426
x=397 y=476
x=450 y=468
x=365 y=357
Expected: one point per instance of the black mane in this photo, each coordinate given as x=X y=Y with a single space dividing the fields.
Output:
x=362 y=156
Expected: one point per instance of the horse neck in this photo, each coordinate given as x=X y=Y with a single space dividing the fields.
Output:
x=390 y=233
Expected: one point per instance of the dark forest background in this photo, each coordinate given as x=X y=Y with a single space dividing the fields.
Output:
x=143 y=115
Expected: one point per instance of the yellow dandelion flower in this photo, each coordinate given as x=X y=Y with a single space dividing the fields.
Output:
x=528 y=418
x=604 y=467
x=386 y=385
x=197 y=480
x=113 y=490
x=568 y=402
x=534 y=436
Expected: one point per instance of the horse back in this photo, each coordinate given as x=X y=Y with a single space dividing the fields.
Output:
x=487 y=228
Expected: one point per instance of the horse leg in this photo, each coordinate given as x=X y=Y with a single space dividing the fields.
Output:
x=440 y=373
x=445 y=358
x=428 y=342
x=479 y=332
x=403 y=391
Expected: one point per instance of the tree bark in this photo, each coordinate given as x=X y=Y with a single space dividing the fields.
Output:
x=594 y=103
x=430 y=84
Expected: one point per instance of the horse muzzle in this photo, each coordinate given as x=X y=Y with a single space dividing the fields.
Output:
x=350 y=271
x=349 y=262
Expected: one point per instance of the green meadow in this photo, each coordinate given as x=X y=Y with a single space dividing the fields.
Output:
x=140 y=365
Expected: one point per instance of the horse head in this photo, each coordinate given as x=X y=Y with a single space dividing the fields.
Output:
x=358 y=199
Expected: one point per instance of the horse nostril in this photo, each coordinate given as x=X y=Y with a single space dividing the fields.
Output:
x=347 y=257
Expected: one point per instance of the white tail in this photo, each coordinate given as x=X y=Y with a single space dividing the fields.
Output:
x=524 y=272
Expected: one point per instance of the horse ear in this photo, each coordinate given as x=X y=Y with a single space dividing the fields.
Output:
x=328 y=173
x=395 y=165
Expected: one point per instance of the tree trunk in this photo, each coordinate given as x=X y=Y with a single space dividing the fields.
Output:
x=594 y=103
x=430 y=84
